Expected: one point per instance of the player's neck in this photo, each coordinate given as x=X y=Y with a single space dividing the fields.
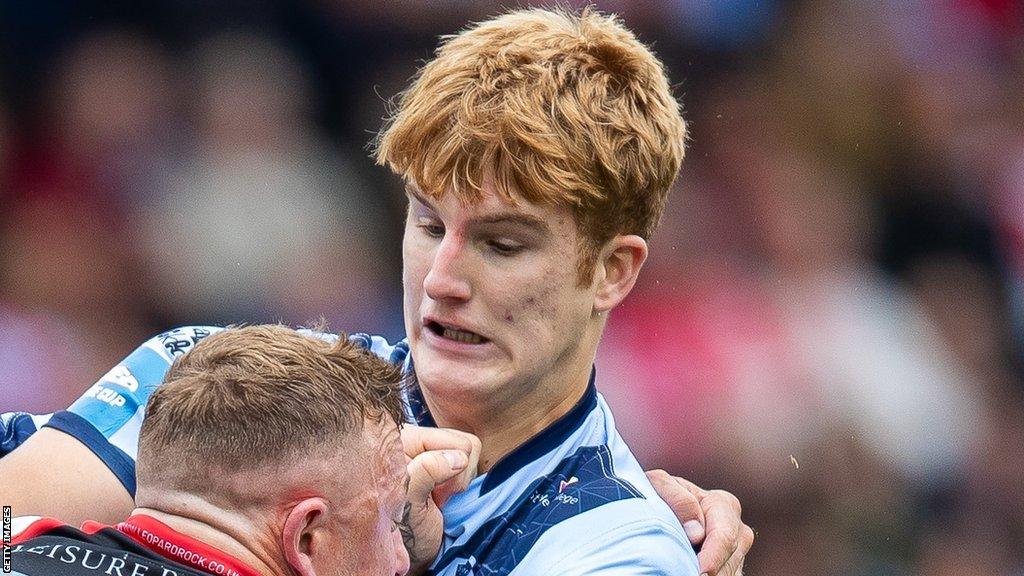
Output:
x=502 y=428
x=506 y=434
x=220 y=539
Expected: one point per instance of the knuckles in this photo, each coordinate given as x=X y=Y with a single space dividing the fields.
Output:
x=747 y=537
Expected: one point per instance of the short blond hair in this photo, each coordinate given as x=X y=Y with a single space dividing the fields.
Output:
x=248 y=397
x=567 y=109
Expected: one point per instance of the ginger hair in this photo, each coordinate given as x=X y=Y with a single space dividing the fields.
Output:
x=565 y=109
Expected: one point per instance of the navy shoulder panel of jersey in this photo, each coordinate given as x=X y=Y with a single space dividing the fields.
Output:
x=395 y=354
x=581 y=482
x=15 y=428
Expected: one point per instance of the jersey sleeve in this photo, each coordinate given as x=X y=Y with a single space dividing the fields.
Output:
x=107 y=418
x=397 y=354
x=16 y=427
x=642 y=546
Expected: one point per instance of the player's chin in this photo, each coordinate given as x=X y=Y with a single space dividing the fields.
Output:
x=441 y=373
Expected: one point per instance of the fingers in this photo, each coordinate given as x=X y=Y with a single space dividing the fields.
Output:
x=429 y=469
x=734 y=565
x=746 y=540
x=417 y=440
x=723 y=526
x=422 y=529
x=691 y=487
x=682 y=499
x=461 y=482
x=711 y=517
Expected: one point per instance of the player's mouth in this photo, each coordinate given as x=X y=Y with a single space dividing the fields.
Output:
x=454 y=334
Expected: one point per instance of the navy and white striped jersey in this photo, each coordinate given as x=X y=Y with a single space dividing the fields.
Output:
x=571 y=500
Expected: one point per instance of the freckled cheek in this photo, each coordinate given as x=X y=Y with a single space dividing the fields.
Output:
x=534 y=312
x=531 y=300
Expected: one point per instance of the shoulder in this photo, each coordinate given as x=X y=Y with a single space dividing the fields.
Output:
x=397 y=353
x=579 y=515
x=27 y=527
x=622 y=537
x=145 y=367
x=16 y=427
x=178 y=341
x=620 y=524
x=48 y=547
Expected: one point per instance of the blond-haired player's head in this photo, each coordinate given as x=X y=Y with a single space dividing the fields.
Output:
x=290 y=440
x=537 y=148
x=558 y=108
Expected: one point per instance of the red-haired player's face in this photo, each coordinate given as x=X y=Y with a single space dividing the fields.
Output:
x=493 y=311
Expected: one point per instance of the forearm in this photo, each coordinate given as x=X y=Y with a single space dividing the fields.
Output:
x=53 y=474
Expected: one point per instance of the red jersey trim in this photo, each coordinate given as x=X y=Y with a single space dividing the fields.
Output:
x=89 y=527
x=164 y=540
x=41 y=526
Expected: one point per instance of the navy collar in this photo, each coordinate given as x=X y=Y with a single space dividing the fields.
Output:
x=543 y=442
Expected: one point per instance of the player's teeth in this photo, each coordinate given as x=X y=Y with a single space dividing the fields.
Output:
x=460 y=336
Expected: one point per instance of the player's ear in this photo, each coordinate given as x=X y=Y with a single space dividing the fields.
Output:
x=618 y=266
x=301 y=536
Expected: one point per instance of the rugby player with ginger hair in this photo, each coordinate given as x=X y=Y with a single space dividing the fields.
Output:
x=537 y=150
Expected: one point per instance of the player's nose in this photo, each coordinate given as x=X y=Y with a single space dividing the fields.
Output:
x=447 y=278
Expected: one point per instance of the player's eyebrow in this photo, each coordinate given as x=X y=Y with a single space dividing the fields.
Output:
x=418 y=196
x=535 y=224
x=528 y=221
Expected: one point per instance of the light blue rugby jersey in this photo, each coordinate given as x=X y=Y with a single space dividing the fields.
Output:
x=571 y=500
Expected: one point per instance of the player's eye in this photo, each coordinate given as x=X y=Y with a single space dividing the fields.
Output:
x=432 y=229
x=505 y=248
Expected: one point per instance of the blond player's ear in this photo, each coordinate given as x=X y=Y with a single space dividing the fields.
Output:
x=301 y=538
x=617 y=269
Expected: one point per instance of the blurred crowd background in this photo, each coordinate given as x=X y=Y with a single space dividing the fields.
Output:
x=830 y=325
